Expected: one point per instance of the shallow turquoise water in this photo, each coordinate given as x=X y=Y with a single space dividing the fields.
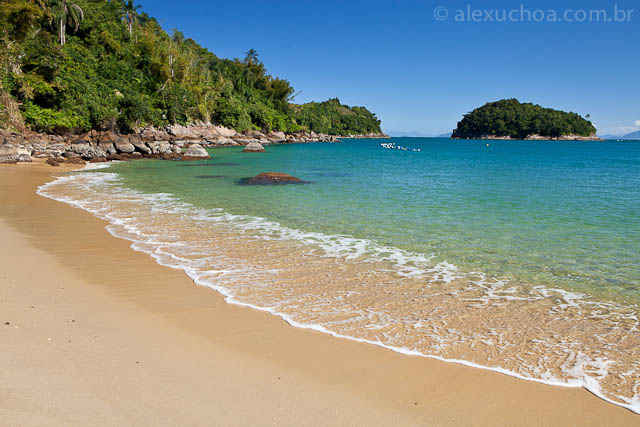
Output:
x=559 y=214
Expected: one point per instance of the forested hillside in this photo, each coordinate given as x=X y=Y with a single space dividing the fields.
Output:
x=510 y=118
x=95 y=64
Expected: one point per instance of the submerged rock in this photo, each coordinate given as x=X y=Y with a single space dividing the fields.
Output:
x=211 y=164
x=171 y=156
x=253 y=147
x=272 y=178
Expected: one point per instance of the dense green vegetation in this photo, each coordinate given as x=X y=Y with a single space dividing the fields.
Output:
x=336 y=119
x=96 y=64
x=509 y=117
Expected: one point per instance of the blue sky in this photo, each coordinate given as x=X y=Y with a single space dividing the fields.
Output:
x=421 y=74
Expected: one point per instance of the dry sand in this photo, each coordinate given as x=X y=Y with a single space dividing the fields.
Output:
x=93 y=333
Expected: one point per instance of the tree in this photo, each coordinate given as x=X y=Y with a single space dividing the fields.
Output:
x=64 y=13
x=251 y=57
x=130 y=13
x=99 y=81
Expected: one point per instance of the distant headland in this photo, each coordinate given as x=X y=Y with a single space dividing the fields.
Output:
x=511 y=119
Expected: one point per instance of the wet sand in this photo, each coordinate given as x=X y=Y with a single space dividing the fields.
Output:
x=99 y=334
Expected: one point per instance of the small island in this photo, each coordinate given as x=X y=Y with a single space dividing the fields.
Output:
x=511 y=119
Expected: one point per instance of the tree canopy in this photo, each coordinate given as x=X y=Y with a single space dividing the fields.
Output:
x=93 y=64
x=509 y=117
x=333 y=118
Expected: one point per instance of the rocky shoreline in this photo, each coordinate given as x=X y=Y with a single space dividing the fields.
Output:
x=536 y=138
x=175 y=142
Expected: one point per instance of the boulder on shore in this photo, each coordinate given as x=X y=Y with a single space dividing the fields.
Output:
x=24 y=158
x=195 y=152
x=253 y=147
x=272 y=178
x=277 y=137
x=223 y=140
x=141 y=147
x=222 y=131
x=124 y=147
x=75 y=161
x=8 y=155
x=52 y=162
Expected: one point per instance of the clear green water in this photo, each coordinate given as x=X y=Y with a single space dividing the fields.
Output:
x=558 y=214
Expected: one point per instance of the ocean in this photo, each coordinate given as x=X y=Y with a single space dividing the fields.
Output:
x=522 y=257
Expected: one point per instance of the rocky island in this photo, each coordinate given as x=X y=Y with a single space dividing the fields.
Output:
x=510 y=119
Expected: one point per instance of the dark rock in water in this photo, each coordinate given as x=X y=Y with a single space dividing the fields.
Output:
x=210 y=176
x=52 y=162
x=75 y=161
x=172 y=156
x=112 y=157
x=272 y=178
x=98 y=160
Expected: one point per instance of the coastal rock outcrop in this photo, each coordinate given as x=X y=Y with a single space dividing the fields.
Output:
x=253 y=147
x=272 y=178
x=75 y=161
x=223 y=140
x=124 y=147
x=141 y=146
x=224 y=132
x=8 y=154
x=168 y=143
x=195 y=152
x=24 y=158
x=277 y=137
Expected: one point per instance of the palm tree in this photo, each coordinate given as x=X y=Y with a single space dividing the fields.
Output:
x=64 y=13
x=130 y=13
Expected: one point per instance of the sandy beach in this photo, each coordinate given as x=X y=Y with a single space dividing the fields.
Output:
x=94 y=333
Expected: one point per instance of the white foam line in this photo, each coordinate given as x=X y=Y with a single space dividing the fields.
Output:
x=588 y=383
